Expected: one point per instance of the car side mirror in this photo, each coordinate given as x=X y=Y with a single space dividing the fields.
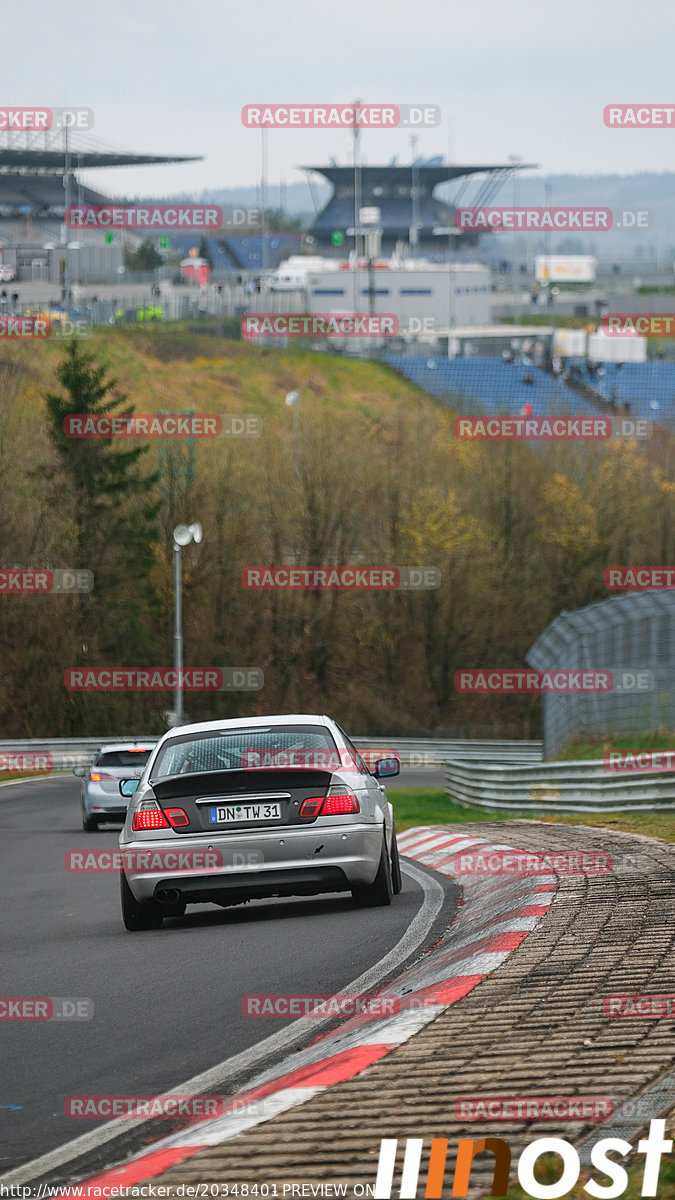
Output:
x=81 y=771
x=129 y=786
x=385 y=767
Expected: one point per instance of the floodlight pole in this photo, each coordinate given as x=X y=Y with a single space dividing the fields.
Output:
x=182 y=536
x=177 y=634
x=263 y=202
x=66 y=185
x=412 y=233
x=357 y=202
x=293 y=399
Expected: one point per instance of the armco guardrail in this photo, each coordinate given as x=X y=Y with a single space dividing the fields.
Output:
x=413 y=752
x=66 y=752
x=421 y=752
x=557 y=787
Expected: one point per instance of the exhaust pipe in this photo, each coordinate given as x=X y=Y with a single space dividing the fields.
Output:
x=168 y=896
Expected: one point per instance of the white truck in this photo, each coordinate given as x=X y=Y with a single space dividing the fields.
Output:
x=291 y=275
x=565 y=268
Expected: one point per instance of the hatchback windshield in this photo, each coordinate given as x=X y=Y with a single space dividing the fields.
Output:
x=234 y=749
x=123 y=758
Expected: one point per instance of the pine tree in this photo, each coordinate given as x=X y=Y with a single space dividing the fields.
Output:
x=113 y=509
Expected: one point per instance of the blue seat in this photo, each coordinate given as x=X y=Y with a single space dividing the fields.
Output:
x=492 y=386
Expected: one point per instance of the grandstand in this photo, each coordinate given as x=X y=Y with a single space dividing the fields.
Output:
x=490 y=385
x=37 y=181
x=647 y=387
x=34 y=181
x=241 y=252
x=404 y=196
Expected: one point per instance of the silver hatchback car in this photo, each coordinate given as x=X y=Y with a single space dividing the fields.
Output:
x=230 y=811
x=100 y=799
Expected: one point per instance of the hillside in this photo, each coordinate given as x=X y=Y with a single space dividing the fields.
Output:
x=376 y=478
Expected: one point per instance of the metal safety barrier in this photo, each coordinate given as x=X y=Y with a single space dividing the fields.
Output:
x=413 y=752
x=65 y=753
x=428 y=752
x=572 y=787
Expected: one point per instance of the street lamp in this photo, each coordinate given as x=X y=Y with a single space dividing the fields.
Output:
x=293 y=401
x=182 y=536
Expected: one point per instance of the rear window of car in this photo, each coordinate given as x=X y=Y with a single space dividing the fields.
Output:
x=237 y=749
x=123 y=758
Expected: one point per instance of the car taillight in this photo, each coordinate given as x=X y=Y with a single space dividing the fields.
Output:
x=332 y=806
x=344 y=803
x=176 y=817
x=149 y=816
x=310 y=808
x=97 y=776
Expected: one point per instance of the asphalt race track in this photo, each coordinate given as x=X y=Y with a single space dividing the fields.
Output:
x=418 y=777
x=167 y=1004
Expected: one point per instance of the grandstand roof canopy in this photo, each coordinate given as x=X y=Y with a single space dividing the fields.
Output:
x=404 y=196
x=30 y=161
x=427 y=175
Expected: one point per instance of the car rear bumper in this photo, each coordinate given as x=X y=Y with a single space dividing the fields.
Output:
x=106 y=814
x=112 y=813
x=288 y=861
x=97 y=803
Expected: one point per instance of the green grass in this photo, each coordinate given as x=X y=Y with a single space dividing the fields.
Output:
x=549 y=1168
x=625 y=741
x=432 y=806
x=656 y=824
x=12 y=776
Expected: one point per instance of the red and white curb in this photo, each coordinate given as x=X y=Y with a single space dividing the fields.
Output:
x=496 y=913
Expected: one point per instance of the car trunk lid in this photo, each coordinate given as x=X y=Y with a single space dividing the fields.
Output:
x=240 y=800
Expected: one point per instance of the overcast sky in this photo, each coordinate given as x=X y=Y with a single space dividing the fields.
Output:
x=512 y=77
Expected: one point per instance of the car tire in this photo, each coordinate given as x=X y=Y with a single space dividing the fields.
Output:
x=380 y=891
x=138 y=915
x=396 y=880
x=89 y=824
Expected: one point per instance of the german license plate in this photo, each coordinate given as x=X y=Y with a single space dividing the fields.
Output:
x=232 y=814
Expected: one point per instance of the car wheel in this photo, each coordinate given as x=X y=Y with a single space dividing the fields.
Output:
x=396 y=881
x=135 y=914
x=380 y=891
x=89 y=824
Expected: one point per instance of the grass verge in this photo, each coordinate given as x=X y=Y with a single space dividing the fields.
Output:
x=577 y=751
x=432 y=806
x=549 y=1170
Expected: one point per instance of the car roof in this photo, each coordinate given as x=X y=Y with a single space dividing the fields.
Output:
x=149 y=745
x=249 y=723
